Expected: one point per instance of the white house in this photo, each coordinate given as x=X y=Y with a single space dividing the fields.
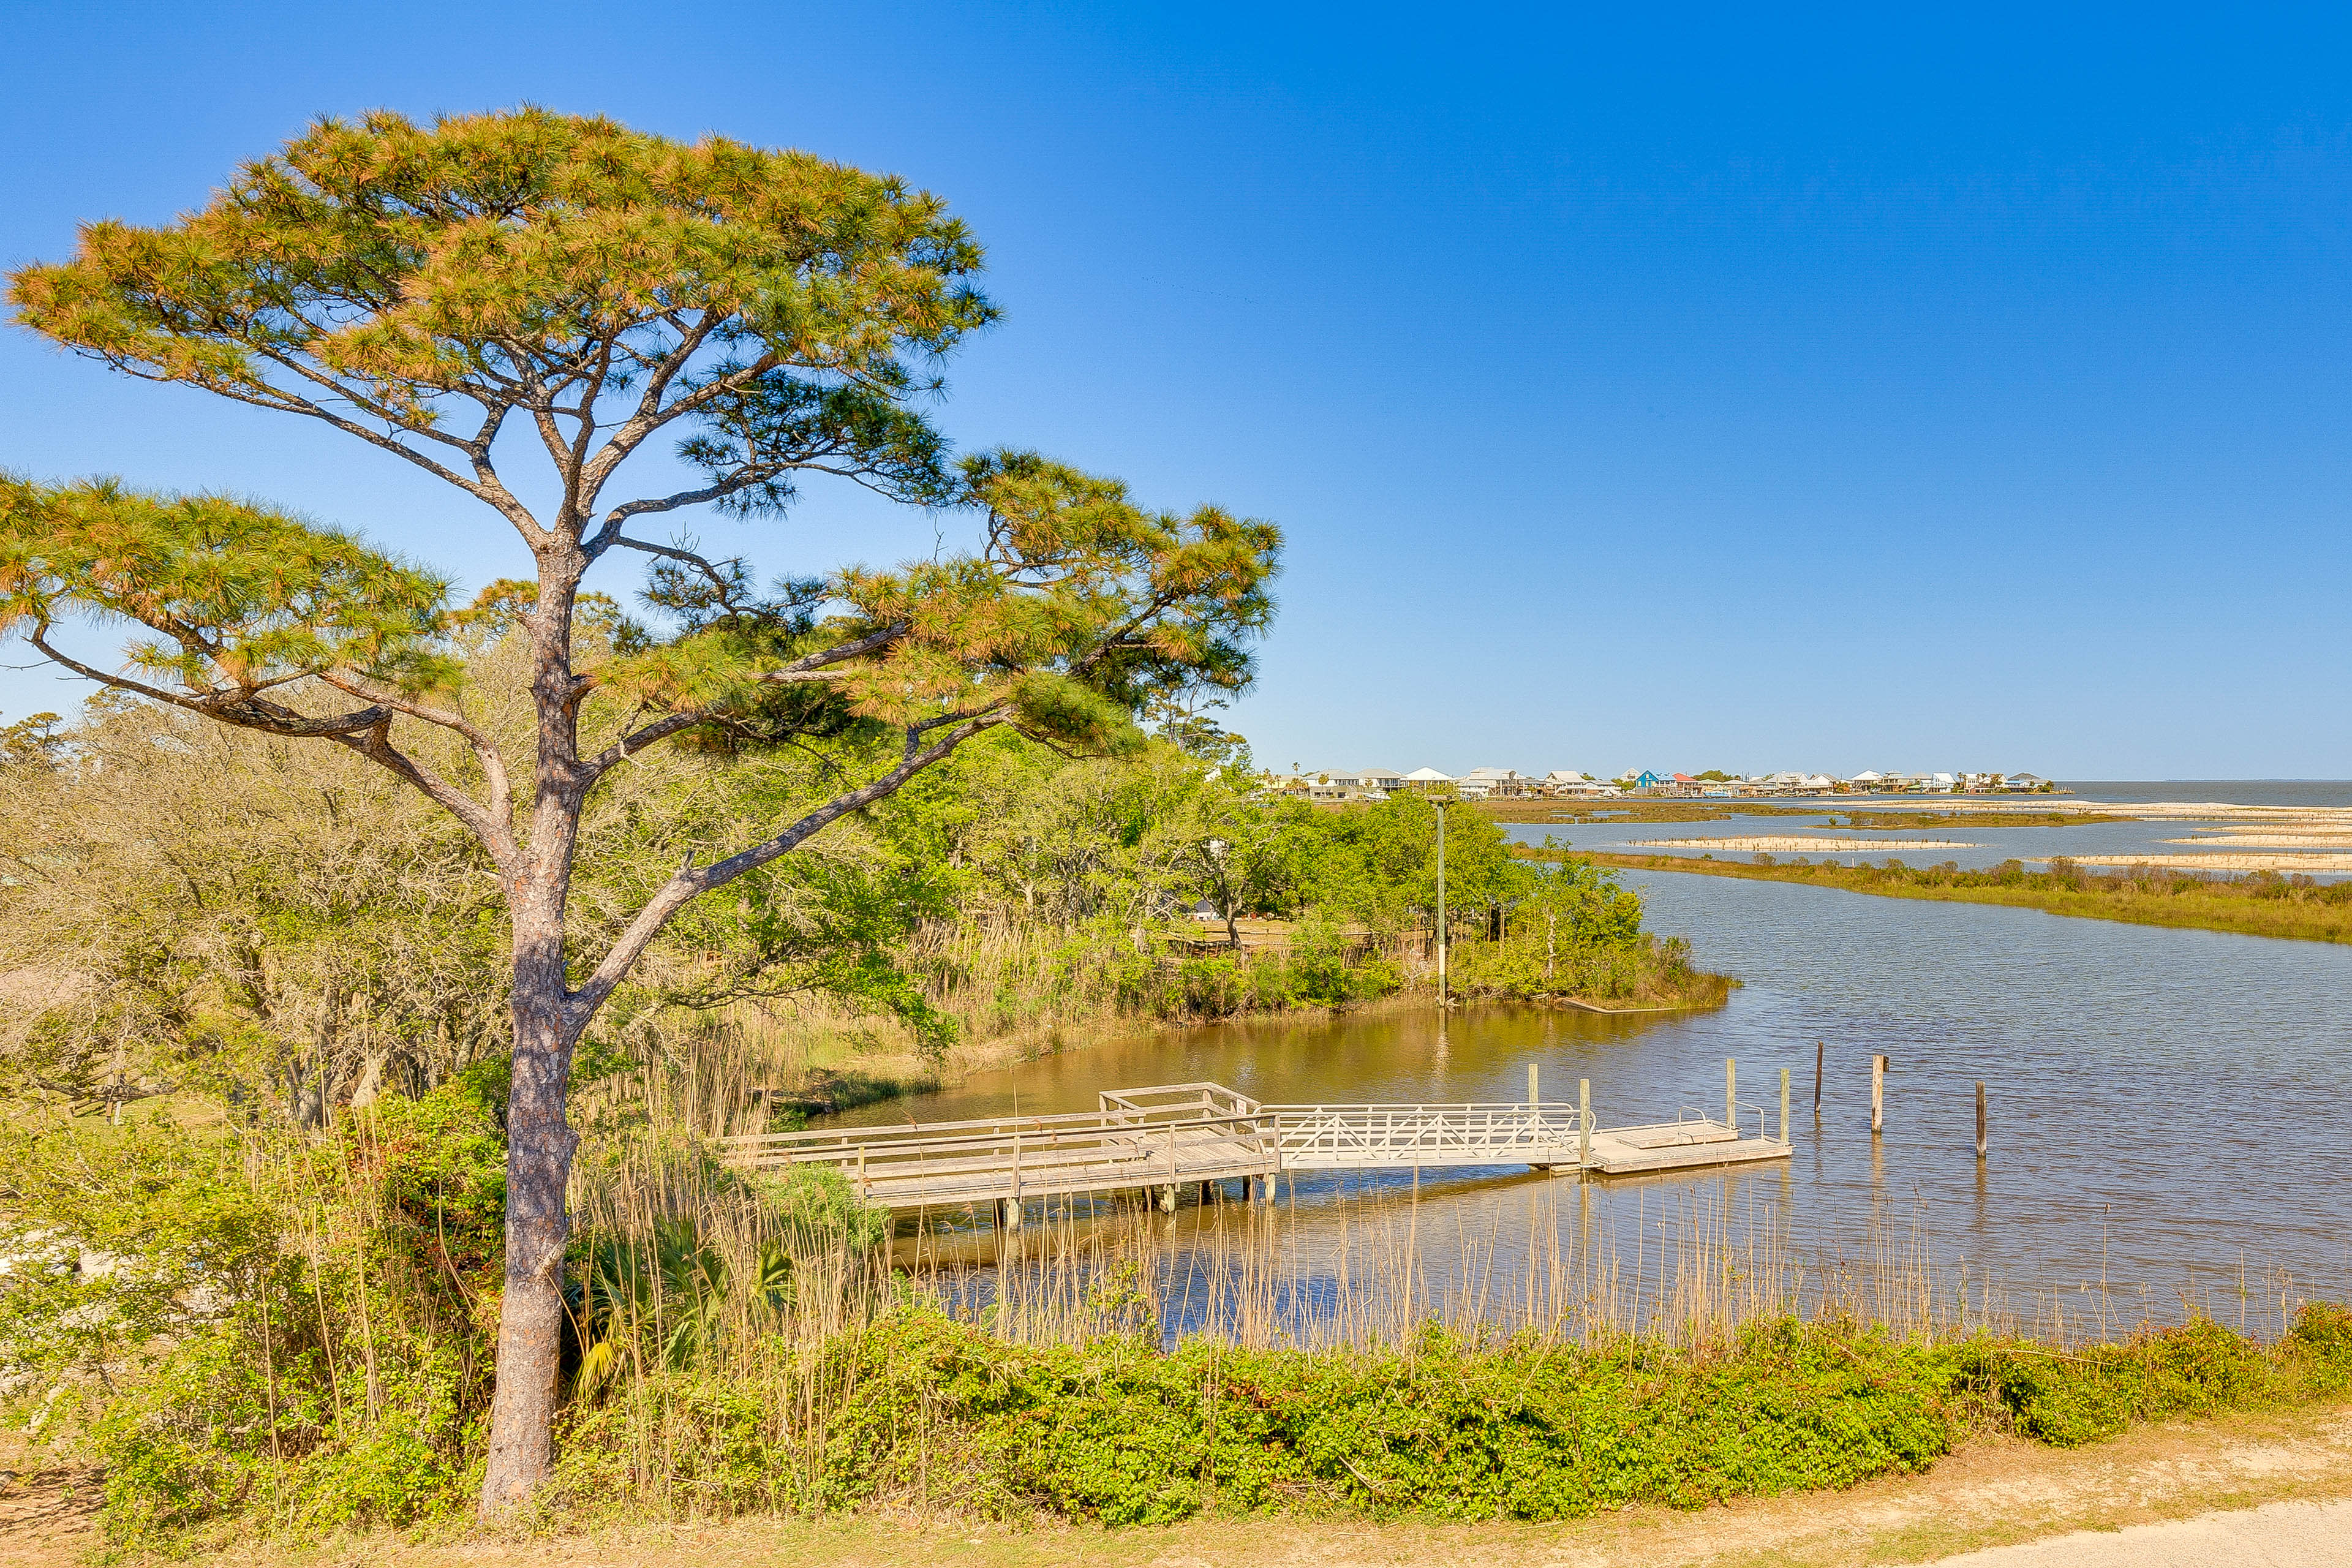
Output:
x=1500 y=783
x=1567 y=781
x=1426 y=778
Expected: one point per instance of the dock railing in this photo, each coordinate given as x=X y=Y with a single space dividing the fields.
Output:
x=1501 y=1132
x=1157 y=1137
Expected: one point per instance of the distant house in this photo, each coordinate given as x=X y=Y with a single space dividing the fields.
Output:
x=1870 y=779
x=1819 y=783
x=1501 y=784
x=2022 y=782
x=1568 y=781
x=1426 y=779
x=1365 y=785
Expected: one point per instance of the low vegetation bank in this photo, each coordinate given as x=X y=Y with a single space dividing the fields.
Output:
x=2261 y=903
x=921 y=1409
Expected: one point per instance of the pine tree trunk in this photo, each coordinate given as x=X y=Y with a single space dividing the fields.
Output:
x=540 y=1144
x=540 y=1140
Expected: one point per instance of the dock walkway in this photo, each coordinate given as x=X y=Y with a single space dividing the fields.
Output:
x=1162 y=1137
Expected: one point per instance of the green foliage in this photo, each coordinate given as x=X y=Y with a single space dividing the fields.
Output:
x=814 y=1209
x=441 y=1163
x=2066 y=1400
x=131 y=1237
x=246 y=599
x=235 y=1327
x=918 y=1406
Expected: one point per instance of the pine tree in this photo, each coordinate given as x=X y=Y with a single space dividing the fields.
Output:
x=528 y=285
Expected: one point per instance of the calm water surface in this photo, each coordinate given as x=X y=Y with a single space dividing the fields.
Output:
x=2166 y=1105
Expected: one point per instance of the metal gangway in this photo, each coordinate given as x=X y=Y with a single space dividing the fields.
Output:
x=1157 y=1139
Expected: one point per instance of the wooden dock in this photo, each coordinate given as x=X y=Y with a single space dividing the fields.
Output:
x=1159 y=1138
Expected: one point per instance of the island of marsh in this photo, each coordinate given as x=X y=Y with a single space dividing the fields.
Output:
x=2258 y=903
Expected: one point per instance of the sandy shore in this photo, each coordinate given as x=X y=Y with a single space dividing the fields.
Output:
x=2314 y=861
x=1801 y=846
x=2332 y=840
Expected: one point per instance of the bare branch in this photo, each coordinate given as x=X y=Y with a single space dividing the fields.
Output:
x=368 y=732
x=501 y=806
x=484 y=487
x=690 y=881
x=244 y=709
x=495 y=834
x=651 y=415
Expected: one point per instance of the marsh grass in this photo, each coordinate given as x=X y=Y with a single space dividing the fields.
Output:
x=2261 y=903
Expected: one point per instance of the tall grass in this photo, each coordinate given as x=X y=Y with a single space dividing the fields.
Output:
x=321 y=1355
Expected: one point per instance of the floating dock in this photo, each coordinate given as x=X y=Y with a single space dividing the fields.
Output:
x=1157 y=1139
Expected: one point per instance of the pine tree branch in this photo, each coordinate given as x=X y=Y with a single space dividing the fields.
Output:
x=690 y=881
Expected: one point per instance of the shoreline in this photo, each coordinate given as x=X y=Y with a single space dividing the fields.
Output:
x=1012 y=1050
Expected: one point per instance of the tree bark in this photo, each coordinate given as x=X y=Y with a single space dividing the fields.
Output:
x=540 y=1145
x=547 y=1023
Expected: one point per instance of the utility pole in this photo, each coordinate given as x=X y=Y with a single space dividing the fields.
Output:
x=1442 y=802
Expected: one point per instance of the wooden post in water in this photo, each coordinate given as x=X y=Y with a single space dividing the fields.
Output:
x=1819 y=1046
x=1784 y=1105
x=1730 y=1095
x=1583 y=1123
x=1008 y=1212
x=1534 y=1098
x=1980 y=1120
x=1877 y=1093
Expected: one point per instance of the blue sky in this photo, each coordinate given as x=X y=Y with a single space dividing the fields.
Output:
x=1830 y=390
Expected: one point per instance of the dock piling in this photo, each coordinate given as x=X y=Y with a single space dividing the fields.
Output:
x=1583 y=1123
x=1877 y=1093
x=1731 y=1093
x=1534 y=1098
x=1784 y=1105
x=1819 y=1047
x=1980 y=1120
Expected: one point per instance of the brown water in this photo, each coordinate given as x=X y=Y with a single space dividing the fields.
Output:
x=2171 y=1111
